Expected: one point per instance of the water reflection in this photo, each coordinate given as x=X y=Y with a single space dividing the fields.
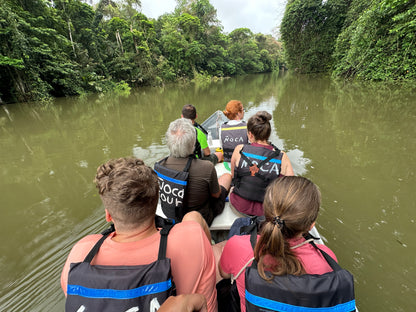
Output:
x=356 y=142
x=362 y=143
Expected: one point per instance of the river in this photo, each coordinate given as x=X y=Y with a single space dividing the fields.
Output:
x=356 y=141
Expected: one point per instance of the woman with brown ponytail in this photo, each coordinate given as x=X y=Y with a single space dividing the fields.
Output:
x=255 y=165
x=291 y=206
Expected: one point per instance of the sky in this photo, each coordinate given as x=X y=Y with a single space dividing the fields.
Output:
x=260 y=16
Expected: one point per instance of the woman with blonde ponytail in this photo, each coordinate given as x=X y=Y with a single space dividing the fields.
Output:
x=291 y=206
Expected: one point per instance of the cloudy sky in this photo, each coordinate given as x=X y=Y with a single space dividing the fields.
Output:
x=261 y=16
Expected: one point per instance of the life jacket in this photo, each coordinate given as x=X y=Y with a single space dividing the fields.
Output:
x=231 y=136
x=198 y=148
x=105 y=288
x=332 y=291
x=197 y=125
x=257 y=167
x=172 y=189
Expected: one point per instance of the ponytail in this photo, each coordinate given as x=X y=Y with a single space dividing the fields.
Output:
x=273 y=242
x=291 y=205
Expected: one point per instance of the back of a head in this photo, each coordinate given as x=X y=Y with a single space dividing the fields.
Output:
x=296 y=200
x=180 y=138
x=291 y=205
x=259 y=125
x=129 y=190
x=232 y=109
x=189 y=112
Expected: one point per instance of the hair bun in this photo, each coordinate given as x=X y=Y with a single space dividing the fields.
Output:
x=263 y=116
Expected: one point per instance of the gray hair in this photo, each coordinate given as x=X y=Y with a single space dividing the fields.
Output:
x=180 y=138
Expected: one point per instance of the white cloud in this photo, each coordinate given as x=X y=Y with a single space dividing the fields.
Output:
x=257 y=15
x=155 y=8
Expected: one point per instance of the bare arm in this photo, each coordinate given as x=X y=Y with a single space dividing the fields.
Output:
x=206 y=151
x=235 y=158
x=185 y=303
x=287 y=169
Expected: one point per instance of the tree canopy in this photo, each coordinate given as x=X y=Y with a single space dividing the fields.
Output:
x=371 y=40
x=67 y=47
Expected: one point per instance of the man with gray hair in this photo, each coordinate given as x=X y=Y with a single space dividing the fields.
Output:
x=180 y=138
x=204 y=192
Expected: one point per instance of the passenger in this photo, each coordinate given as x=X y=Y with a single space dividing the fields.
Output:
x=202 y=150
x=129 y=191
x=234 y=131
x=205 y=192
x=255 y=165
x=291 y=206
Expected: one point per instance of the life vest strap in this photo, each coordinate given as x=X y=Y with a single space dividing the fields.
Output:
x=165 y=224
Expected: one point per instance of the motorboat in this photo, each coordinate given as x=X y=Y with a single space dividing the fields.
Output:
x=222 y=223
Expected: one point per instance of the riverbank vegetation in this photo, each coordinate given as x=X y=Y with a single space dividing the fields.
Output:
x=67 y=47
x=369 y=40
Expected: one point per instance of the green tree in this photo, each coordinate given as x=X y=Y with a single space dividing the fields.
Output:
x=244 y=52
x=33 y=32
x=271 y=52
x=309 y=31
x=67 y=47
x=378 y=43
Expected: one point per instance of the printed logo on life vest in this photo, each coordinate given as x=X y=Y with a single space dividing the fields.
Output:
x=170 y=195
x=154 y=306
x=233 y=139
x=267 y=167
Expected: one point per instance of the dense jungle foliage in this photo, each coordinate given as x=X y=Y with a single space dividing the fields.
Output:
x=67 y=47
x=371 y=40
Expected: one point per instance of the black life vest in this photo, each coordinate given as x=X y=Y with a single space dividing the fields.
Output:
x=197 y=125
x=172 y=186
x=231 y=136
x=198 y=149
x=258 y=166
x=101 y=288
x=329 y=292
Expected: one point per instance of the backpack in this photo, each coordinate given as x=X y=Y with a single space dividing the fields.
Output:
x=332 y=291
x=227 y=292
x=104 y=288
x=172 y=189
